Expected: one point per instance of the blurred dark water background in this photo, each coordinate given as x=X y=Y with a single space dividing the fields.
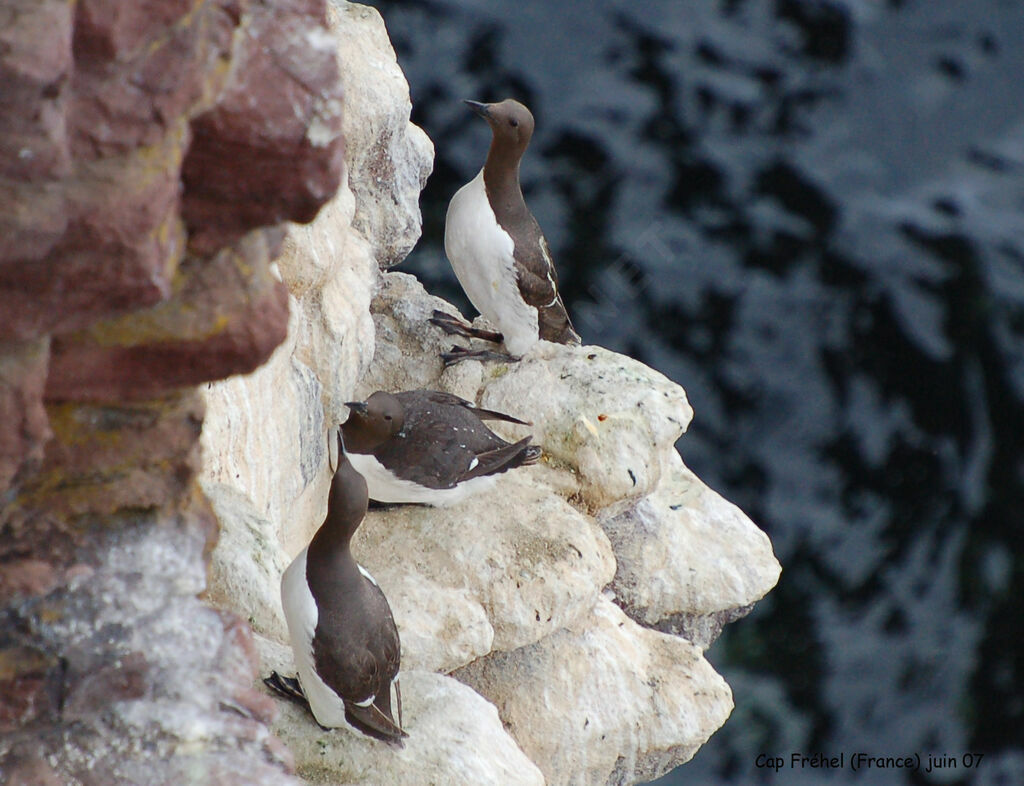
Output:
x=811 y=215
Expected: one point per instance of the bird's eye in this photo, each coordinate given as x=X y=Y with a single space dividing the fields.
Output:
x=513 y=122
x=387 y=417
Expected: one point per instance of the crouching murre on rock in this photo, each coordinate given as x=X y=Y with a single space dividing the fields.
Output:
x=342 y=631
x=429 y=447
x=498 y=250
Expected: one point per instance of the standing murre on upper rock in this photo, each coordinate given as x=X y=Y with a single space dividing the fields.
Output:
x=429 y=447
x=497 y=249
x=342 y=631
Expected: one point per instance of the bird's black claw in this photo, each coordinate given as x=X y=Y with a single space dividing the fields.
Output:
x=288 y=687
x=451 y=325
x=454 y=326
x=457 y=354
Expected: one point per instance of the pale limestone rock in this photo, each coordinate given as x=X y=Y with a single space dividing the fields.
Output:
x=263 y=435
x=518 y=569
x=388 y=158
x=605 y=701
x=611 y=418
x=247 y=563
x=455 y=737
x=441 y=627
x=519 y=556
x=330 y=270
x=408 y=355
x=688 y=560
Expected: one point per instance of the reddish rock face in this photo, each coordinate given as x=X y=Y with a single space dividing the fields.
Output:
x=105 y=458
x=30 y=681
x=271 y=147
x=131 y=132
x=147 y=148
x=104 y=91
x=140 y=68
x=34 y=70
x=122 y=132
x=23 y=424
x=227 y=315
x=115 y=246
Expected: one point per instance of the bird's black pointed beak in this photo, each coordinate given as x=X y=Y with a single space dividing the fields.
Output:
x=359 y=407
x=482 y=109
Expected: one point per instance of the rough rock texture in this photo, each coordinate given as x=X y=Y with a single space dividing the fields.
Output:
x=388 y=158
x=124 y=283
x=262 y=156
x=276 y=412
x=688 y=560
x=247 y=563
x=604 y=700
x=121 y=675
x=530 y=565
x=22 y=378
x=613 y=419
x=335 y=337
x=400 y=311
x=227 y=314
x=93 y=225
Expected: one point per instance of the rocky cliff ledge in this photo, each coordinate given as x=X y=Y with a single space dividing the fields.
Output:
x=556 y=597
x=553 y=631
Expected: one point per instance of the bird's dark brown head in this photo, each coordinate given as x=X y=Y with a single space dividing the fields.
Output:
x=511 y=123
x=372 y=422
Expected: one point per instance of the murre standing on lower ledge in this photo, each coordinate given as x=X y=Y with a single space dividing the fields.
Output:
x=340 y=624
x=497 y=249
x=429 y=447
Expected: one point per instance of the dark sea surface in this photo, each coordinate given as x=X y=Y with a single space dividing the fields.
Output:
x=810 y=214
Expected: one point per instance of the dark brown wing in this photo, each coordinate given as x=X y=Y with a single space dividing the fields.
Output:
x=441 y=442
x=377 y=720
x=357 y=656
x=443 y=455
x=346 y=662
x=538 y=284
x=440 y=398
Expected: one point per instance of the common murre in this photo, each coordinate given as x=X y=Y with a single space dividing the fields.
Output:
x=342 y=632
x=497 y=249
x=429 y=447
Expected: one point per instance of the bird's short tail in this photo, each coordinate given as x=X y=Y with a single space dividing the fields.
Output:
x=505 y=458
x=375 y=720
